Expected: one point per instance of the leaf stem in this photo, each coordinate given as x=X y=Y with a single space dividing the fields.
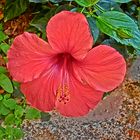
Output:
x=82 y=10
x=93 y=15
x=99 y=8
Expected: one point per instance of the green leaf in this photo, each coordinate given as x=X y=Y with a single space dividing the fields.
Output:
x=10 y=103
x=38 y=1
x=2 y=133
x=66 y=7
x=1 y=97
x=5 y=83
x=4 y=47
x=18 y=121
x=108 y=5
x=40 y=20
x=3 y=69
x=105 y=94
x=86 y=3
x=122 y=1
x=93 y=28
x=2 y=36
x=2 y=129
x=16 y=84
x=1 y=27
x=124 y=33
x=55 y=1
x=19 y=111
x=18 y=133
x=120 y=27
x=45 y=116
x=32 y=113
x=14 y=133
x=7 y=96
x=9 y=131
x=3 y=110
x=10 y=119
x=14 y=9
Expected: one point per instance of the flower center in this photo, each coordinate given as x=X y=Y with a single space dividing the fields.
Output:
x=62 y=94
x=65 y=61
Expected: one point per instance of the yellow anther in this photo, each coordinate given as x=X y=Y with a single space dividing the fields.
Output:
x=62 y=93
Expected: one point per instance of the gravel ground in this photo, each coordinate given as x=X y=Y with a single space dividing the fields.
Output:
x=117 y=117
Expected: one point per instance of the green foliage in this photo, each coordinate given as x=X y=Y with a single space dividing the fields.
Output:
x=5 y=83
x=41 y=19
x=122 y=1
x=45 y=116
x=19 y=111
x=86 y=3
x=10 y=103
x=3 y=69
x=9 y=119
x=93 y=28
x=12 y=133
x=38 y=1
x=4 y=47
x=2 y=36
x=120 y=27
x=3 y=110
x=13 y=114
x=32 y=113
x=14 y=8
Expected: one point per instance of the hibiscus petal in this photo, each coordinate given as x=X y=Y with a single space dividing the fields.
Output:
x=28 y=57
x=82 y=98
x=40 y=93
x=69 y=32
x=103 y=68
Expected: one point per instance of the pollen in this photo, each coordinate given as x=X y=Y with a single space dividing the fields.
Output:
x=62 y=94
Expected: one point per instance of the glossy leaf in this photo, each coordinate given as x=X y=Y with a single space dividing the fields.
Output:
x=86 y=3
x=32 y=113
x=41 y=19
x=109 y=5
x=122 y=1
x=19 y=111
x=2 y=36
x=55 y=1
x=1 y=27
x=4 y=47
x=13 y=133
x=38 y=1
x=10 y=103
x=14 y=9
x=2 y=132
x=1 y=97
x=3 y=110
x=93 y=28
x=10 y=119
x=18 y=133
x=7 y=96
x=120 y=27
x=45 y=116
x=3 y=69
x=5 y=83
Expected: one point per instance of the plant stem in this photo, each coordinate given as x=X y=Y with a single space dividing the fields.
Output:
x=99 y=8
x=82 y=10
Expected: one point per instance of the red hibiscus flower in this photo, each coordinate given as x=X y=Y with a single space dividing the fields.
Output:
x=65 y=74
